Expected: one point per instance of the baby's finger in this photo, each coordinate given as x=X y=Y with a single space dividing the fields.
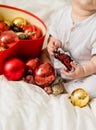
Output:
x=74 y=64
x=50 y=51
x=65 y=71
x=57 y=43
x=68 y=74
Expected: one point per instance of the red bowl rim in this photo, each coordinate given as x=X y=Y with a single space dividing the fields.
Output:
x=25 y=11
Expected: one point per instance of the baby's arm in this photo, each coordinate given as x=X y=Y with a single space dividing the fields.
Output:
x=82 y=70
x=49 y=50
x=90 y=67
x=44 y=56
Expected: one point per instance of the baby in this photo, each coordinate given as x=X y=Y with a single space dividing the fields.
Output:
x=74 y=30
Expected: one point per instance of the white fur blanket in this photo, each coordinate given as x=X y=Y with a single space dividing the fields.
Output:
x=27 y=107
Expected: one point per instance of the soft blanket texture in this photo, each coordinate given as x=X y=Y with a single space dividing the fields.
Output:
x=27 y=107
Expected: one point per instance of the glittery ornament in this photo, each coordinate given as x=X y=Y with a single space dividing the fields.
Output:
x=58 y=88
x=22 y=35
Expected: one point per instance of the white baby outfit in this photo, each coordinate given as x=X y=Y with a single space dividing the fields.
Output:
x=80 y=41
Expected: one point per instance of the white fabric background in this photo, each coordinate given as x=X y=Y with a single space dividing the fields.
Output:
x=42 y=8
x=27 y=107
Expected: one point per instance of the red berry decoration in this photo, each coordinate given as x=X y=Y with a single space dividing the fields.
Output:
x=14 y=69
x=44 y=74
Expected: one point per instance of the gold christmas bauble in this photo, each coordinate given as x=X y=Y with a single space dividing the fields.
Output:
x=18 y=22
x=79 y=97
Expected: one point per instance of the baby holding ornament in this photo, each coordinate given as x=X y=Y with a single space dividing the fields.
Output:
x=74 y=30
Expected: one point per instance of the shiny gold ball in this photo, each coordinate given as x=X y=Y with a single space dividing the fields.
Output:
x=18 y=22
x=79 y=97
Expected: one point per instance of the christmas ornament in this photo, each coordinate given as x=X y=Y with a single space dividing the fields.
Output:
x=29 y=79
x=64 y=57
x=32 y=31
x=22 y=35
x=26 y=36
x=44 y=74
x=14 y=69
x=58 y=88
x=8 y=38
x=18 y=23
x=31 y=64
x=3 y=27
x=79 y=97
x=48 y=90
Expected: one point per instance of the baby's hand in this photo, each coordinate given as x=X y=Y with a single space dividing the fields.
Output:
x=77 y=73
x=52 y=45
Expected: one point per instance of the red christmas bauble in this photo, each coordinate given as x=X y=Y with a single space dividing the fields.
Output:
x=44 y=74
x=32 y=30
x=7 y=38
x=14 y=69
x=31 y=64
x=3 y=27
